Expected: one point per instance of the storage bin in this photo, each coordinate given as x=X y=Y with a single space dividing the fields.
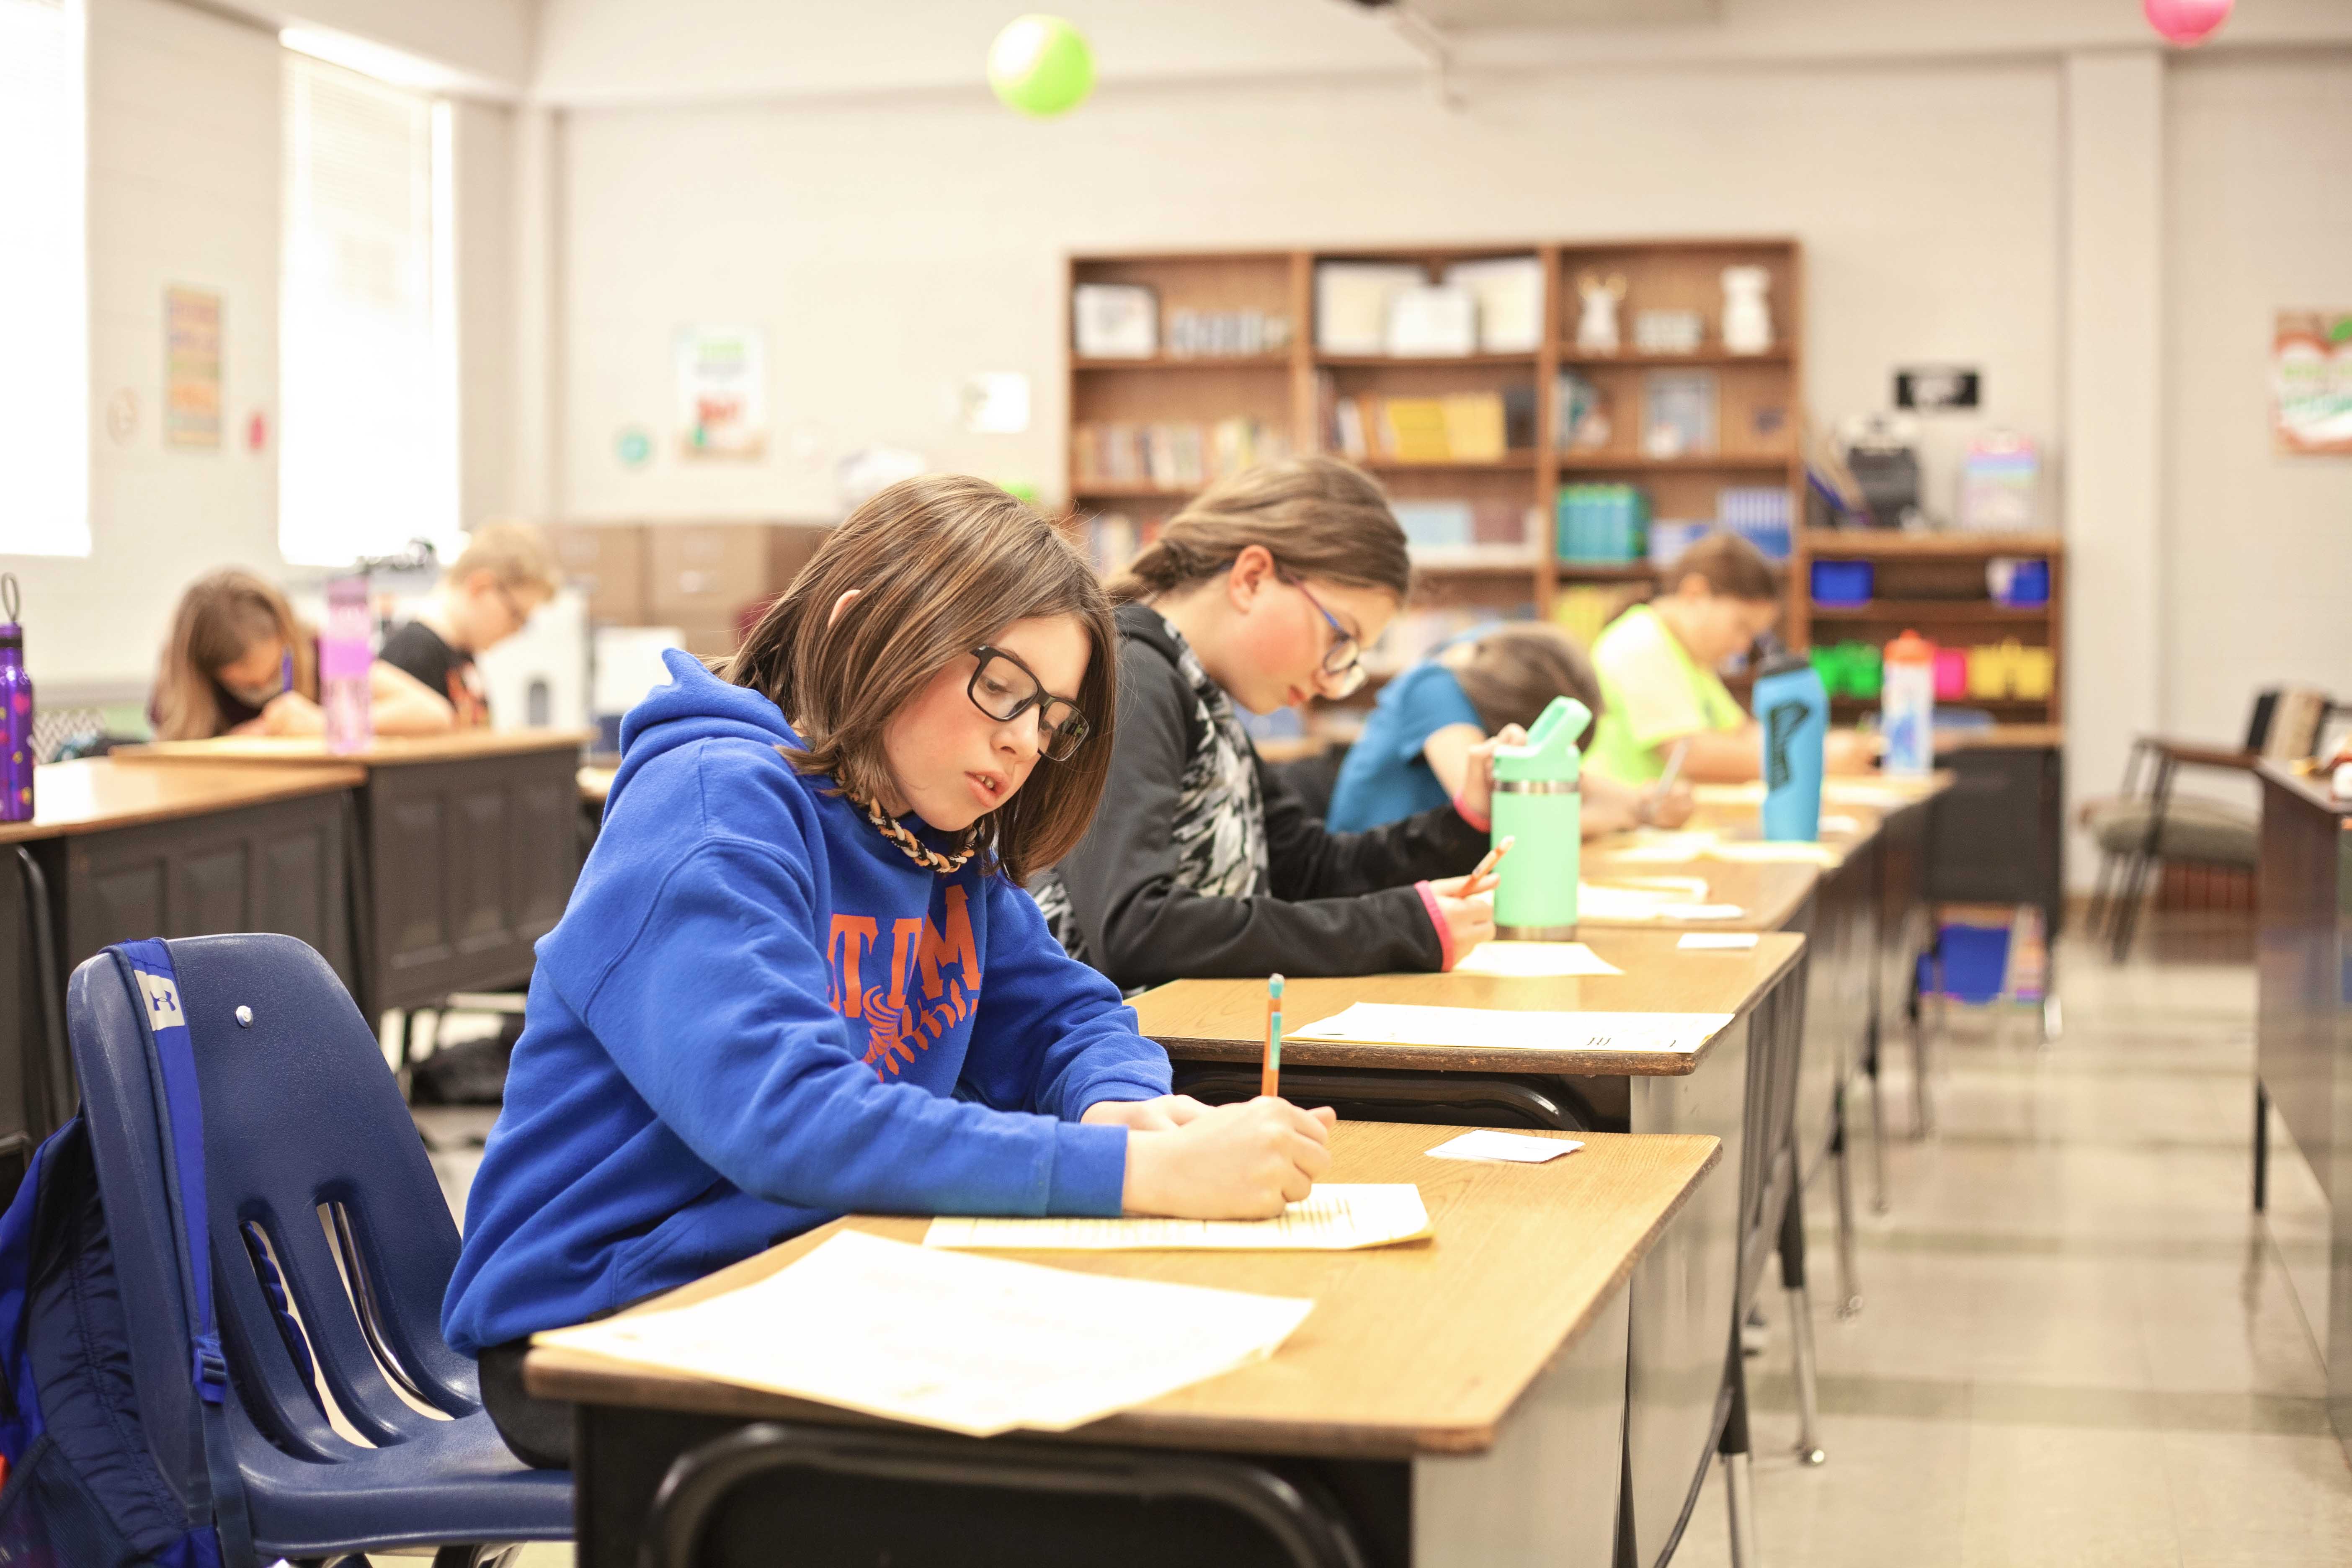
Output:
x=2020 y=584
x=1840 y=584
x=2032 y=672
x=1989 y=672
x=1951 y=674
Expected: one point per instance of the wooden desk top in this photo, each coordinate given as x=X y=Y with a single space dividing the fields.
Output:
x=390 y=751
x=596 y=785
x=2002 y=737
x=2312 y=789
x=1225 y=1020
x=94 y=793
x=1770 y=894
x=1417 y=1348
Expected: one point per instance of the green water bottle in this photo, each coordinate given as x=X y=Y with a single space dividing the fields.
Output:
x=1536 y=802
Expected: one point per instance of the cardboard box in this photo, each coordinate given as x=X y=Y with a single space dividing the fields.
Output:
x=711 y=638
x=702 y=573
x=608 y=562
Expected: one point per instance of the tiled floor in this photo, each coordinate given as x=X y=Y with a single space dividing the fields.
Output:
x=2077 y=1344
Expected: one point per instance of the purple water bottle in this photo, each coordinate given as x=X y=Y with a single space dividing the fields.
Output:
x=15 y=712
x=344 y=655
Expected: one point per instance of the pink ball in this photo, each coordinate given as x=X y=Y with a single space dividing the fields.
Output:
x=2185 y=22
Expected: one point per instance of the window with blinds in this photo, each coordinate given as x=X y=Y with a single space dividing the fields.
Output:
x=45 y=413
x=367 y=334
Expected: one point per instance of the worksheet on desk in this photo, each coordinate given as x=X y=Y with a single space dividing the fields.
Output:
x=1775 y=851
x=1505 y=1029
x=1338 y=1217
x=977 y=1345
x=1533 y=960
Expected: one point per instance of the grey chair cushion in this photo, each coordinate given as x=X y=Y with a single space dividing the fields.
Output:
x=2210 y=831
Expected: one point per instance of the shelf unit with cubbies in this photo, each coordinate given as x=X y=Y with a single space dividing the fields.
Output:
x=1291 y=394
x=1937 y=586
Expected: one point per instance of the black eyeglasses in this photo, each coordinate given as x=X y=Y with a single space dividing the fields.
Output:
x=1004 y=687
x=1343 y=660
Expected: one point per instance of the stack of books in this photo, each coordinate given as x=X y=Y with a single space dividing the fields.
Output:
x=1463 y=427
x=1171 y=456
x=1602 y=524
x=1758 y=513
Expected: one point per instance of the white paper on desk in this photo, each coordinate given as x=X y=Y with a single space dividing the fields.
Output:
x=1516 y=1147
x=1718 y=941
x=1508 y=1029
x=1835 y=823
x=1663 y=849
x=1534 y=959
x=1700 y=911
x=1769 y=851
x=979 y=1345
x=1748 y=793
x=1338 y=1217
x=1636 y=898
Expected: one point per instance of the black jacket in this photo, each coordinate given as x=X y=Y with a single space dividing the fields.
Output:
x=1325 y=903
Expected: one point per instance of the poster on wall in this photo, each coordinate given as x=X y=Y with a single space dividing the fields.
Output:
x=2310 y=383
x=723 y=392
x=192 y=368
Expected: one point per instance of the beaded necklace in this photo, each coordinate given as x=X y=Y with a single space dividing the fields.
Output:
x=914 y=849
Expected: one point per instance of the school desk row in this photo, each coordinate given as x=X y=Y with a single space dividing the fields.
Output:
x=418 y=868
x=1545 y=1380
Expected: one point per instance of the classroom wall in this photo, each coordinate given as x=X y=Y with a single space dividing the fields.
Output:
x=484 y=160
x=893 y=245
x=183 y=156
x=2258 y=195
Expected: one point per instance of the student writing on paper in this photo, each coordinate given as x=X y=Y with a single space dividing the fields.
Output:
x=1657 y=665
x=507 y=570
x=799 y=975
x=1262 y=593
x=238 y=663
x=1414 y=752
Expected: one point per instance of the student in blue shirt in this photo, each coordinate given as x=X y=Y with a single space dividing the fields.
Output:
x=799 y=975
x=1414 y=750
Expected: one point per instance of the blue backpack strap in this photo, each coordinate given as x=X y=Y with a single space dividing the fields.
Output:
x=157 y=986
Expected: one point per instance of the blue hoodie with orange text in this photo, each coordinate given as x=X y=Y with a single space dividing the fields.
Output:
x=757 y=1014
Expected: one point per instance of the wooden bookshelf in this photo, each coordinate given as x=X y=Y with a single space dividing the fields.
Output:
x=1934 y=584
x=1760 y=403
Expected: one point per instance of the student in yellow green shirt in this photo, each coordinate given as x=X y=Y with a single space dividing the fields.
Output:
x=1657 y=663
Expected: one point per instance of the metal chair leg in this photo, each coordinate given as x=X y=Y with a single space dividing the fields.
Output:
x=1849 y=1281
x=2262 y=1147
x=1879 y=1201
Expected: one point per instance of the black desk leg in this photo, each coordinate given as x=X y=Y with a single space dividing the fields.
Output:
x=1877 y=1125
x=1800 y=1321
x=61 y=1094
x=2262 y=1147
x=1849 y=1281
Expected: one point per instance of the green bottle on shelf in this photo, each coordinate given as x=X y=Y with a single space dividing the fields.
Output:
x=1537 y=803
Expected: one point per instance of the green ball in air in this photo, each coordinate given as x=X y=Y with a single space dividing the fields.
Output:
x=1040 y=65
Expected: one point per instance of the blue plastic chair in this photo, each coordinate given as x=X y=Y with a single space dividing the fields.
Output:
x=308 y=1147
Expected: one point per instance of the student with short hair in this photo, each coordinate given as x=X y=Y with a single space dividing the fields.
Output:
x=799 y=975
x=1657 y=665
x=1414 y=753
x=238 y=663
x=1261 y=592
x=507 y=570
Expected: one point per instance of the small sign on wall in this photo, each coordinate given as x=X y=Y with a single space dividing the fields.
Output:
x=1935 y=387
x=723 y=392
x=192 y=368
x=2310 y=383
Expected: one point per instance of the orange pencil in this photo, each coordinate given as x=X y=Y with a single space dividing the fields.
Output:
x=1270 y=1079
x=1493 y=858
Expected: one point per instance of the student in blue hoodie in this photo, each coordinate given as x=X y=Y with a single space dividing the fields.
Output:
x=765 y=1005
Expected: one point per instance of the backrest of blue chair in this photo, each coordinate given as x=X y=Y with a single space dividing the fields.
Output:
x=121 y=1115
x=305 y=1135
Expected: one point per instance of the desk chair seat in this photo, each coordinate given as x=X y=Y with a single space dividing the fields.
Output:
x=353 y=1425
x=2211 y=832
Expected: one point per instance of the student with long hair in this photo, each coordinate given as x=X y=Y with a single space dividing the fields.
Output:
x=1414 y=751
x=798 y=974
x=238 y=663
x=1264 y=591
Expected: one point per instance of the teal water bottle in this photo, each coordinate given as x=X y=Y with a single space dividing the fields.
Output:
x=1792 y=713
x=1536 y=802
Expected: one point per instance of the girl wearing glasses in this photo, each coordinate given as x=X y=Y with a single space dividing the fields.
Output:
x=799 y=975
x=1202 y=862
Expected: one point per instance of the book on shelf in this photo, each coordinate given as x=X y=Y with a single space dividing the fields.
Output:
x=1171 y=455
x=1115 y=321
x=1459 y=428
x=1351 y=303
x=1509 y=291
x=1226 y=335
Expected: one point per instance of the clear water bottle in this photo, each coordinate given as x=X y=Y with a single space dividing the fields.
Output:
x=16 y=713
x=345 y=654
x=1906 y=706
